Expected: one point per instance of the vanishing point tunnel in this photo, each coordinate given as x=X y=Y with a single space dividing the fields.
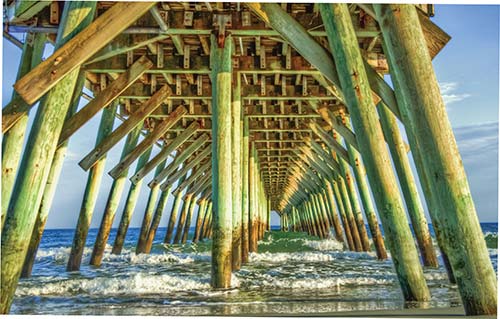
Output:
x=254 y=107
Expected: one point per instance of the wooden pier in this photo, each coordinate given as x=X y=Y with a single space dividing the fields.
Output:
x=249 y=108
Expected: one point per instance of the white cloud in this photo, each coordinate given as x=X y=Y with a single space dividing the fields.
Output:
x=448 y=93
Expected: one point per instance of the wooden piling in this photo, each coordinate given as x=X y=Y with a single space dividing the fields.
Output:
x=252 y=199
x=353 y=227
x=202 y=207
x=408 y=185
x=91 y=192
x=13 y=139
x=113 y=202
x=335 y=218
x=354 y=200
x=206 y=223
x=182 y=217
x=360 y=175
x=160 y=206
x=130 y=203
x=245 y=156
x=425 y=182
x=236 y=179
x=426 y=115
x=173 y=217
x=189 y=217
x=221 y=65
x=36 y=161
x=50 y=187
x=148 y=213
x=357 y=92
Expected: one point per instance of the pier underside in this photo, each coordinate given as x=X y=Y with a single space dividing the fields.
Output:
x=241 y=109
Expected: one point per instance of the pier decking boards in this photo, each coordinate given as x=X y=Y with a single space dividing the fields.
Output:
x=249 y=108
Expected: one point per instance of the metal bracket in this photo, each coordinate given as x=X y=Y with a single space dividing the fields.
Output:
x=220 y=22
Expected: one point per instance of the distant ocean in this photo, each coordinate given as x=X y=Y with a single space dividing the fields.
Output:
x=292 y=273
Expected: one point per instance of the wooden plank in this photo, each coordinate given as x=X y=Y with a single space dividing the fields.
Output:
x=435 y=37
x=105 y=97
x=178 y=43
x=121 y=50
x=134 y=119
x=165 y=152
x=330 y=141
x=187 y=166
x=199 y=171
x=146 y=143
x=41 y=79
x=179 y=160
x=27 y=9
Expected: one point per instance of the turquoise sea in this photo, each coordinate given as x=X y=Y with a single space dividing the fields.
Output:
x=292 y=273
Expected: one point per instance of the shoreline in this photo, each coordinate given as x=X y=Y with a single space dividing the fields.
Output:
x=449 y=312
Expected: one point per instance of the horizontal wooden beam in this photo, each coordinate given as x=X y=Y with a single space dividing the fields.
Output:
x=105 y=97
x=75 y=52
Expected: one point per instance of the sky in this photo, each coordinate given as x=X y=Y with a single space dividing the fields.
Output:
x=467 y=70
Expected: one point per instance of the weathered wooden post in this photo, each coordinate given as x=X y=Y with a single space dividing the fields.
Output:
x=335 y=218
x=424 y=178
x=91 y=192
x=173 y=216
x=202 y=207
x=343 y=215
x=50 y=187
x=359 y=173
x=130 y=204
x=207 y=221
x=221 y=65
x=37 y=159
x=245 y=204
x=252 y=198
x=426 y=115
x=408 y=185
x=357 y=92
x=160 y=206
x=148 y=213
x=349 y=214
x=236 y=182
x=353 y=197
x=13 y=139
x=113 y=202
x=182 y=217
x=187 y=224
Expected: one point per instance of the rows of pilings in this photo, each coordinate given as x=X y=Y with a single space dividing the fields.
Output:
x=320 y=194
x=233 y=209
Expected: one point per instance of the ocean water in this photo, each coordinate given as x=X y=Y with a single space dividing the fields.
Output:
x=292 y=273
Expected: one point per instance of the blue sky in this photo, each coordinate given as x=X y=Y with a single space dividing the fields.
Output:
x=467 y=69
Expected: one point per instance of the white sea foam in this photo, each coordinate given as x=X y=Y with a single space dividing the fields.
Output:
x=134 y=284
x=436 y=276
x=282 y=257
x=491 y=234
x=321 y=283
x=61 y=255
x=324 y=245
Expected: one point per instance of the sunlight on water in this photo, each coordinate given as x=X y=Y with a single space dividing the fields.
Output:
x=292 y=273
